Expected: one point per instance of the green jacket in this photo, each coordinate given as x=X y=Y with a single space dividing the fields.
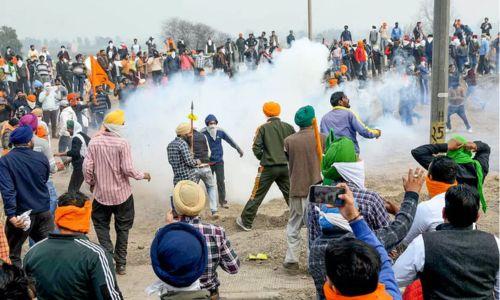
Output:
x=268 y=145
x=71 y=267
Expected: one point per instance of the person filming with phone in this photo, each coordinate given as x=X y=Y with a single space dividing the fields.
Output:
x=336 y=225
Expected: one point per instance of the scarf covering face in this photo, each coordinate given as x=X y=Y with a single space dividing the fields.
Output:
x=379 y=294
x=212 y=130
x=464 y=156
x=436 y=187
x=74 y=218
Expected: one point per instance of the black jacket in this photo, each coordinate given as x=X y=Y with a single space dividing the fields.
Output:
x=466 y=172
x=74 y=152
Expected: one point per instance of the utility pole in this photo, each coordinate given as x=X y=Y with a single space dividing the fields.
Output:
x=309 y=20
x=439 y=88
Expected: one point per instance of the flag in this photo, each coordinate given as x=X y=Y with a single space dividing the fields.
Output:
x=97 y=75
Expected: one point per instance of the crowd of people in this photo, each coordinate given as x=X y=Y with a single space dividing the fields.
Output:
x=428 y=250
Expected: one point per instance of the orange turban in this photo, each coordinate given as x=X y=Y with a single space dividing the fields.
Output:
x=41 y=132
x=343 y=68
x=332 y=82
x=271 y=109
x=72 y=96
x=31 y=98
x=74 y=218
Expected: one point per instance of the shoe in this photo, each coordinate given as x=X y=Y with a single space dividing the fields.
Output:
x=469 y=130
x=239 y=222
x=225 y=205
x=291 y=266
x=121 y=270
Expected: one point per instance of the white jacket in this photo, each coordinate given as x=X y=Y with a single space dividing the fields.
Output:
x=48 y=98
x=66 y=114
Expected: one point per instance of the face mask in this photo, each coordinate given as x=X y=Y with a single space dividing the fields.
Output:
x=110 y=44
x=475 y=40
x=405 y=43
x=212 y=126
x=430 y=40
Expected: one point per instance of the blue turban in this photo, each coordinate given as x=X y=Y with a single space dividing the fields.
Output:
x=210 y=118
x=21 y=135
x=179 y=254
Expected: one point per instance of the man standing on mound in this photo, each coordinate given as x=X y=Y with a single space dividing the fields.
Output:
x=268 y=147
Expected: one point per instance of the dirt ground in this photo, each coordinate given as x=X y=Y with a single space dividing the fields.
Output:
x=267 y=279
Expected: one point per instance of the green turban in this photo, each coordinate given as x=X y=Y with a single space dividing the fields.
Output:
x=304 y=116
x=70 y=124
x=340 y=149
x=464 y=156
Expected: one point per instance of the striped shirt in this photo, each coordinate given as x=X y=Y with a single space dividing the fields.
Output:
x=108 y=166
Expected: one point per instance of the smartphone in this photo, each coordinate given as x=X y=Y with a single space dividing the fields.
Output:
x=174 y=212
x=325 y=194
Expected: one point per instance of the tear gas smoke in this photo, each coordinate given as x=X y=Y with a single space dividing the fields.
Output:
x=293 y=80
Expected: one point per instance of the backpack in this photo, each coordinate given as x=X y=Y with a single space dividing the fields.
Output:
x=84 y=148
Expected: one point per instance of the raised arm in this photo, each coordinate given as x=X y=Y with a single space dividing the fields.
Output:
x=425 y=153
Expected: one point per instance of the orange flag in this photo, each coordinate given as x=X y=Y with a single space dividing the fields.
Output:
x=97 y=75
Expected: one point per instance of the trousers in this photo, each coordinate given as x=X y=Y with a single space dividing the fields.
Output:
x=460 y=111
x=218 y=171
x=124 y=219
x=205 y=175
x=41 y=225
x=76 y=180
x=263 y=181
x=296 y=219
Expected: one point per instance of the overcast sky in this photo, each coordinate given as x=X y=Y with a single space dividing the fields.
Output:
x=65 y=19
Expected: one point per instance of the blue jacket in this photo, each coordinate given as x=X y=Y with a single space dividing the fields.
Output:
x=485 y=47
x=23 y=177
x=386 y=275
x=396 y=33
x=216 y=145
x=345 y=122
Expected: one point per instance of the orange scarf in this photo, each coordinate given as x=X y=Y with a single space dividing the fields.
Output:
x=436 y=187
x=379 y=294
x=74 y=218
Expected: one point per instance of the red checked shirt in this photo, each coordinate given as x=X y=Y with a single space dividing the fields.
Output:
x=220 y=252
x=108 y=166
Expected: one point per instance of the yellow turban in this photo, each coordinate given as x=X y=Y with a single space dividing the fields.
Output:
x=116 y=117
x=271 y=109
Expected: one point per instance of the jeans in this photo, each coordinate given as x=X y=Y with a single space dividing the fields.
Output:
x=460 y=111
x=53 y=196
x=473 y=61
x=50 y=117
x=78 y=83
x=296 y=219
x=24 y=85
x=424 y=82
x=98 y=118
x=218 y=170
x=157 y=75
x=362 y=71
x=205 y=175
x=41 y=225
x=124 y=219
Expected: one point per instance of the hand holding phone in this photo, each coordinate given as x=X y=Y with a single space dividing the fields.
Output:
x=330 y=195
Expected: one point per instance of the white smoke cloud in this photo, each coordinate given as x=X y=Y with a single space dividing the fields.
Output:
x=294 y=80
